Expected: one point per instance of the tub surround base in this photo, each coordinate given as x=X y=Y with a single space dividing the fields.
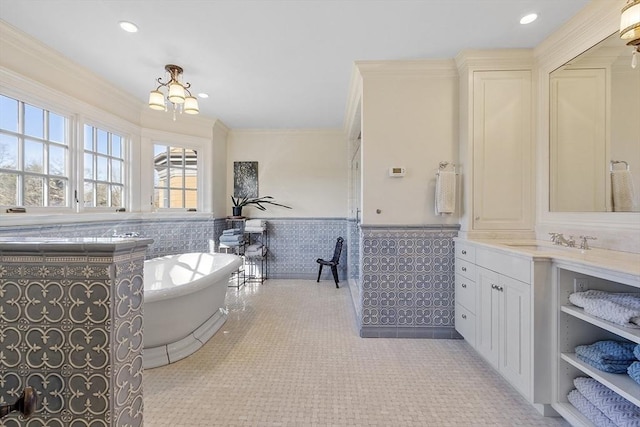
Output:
x=170 y=353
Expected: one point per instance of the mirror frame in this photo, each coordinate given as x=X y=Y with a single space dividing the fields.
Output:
x=597 y=21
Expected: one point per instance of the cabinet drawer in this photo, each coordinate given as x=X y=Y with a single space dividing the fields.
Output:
x=466 y=293
x=465 y=252
x=465 y=269
x=466 y=324
x=510 y=265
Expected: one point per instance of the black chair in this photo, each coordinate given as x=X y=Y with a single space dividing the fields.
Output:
x=333 y=263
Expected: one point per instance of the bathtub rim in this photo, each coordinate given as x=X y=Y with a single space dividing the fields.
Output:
x=154 y=295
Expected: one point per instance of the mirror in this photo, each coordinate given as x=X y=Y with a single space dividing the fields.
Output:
x=594 y=150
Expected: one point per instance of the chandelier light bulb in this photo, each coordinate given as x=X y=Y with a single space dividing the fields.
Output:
x=156 y=100
x=191 y=105
x=176 y=93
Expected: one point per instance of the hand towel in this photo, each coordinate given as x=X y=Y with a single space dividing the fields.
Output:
x=258 y=223
x=620 y=308
x=608 y=355
x=622 y=190
x=634 y=371
x=588 y=409
x=445 y=202
x=618 y=409
x=254 y=229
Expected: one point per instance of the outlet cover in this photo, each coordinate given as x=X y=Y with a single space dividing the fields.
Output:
x=580 y=284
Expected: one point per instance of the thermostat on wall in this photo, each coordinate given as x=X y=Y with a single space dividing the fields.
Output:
x=396 y=172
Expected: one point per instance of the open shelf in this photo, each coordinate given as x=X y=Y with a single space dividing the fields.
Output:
x=622 y=384
x=572 y=415
x=628 y=333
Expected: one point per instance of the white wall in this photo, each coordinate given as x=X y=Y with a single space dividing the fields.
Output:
x=410 y=120
x=304 y=169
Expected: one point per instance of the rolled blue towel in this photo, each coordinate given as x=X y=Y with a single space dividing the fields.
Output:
x=636 y=352
x=634 y=371
x=231 y=238
x=231 y=231
x=608 y=355
x=588 y=409
x=618 y=409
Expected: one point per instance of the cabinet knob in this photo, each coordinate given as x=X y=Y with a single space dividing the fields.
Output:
x=464 y=252
x=464 y=316
x=464 y=285
x=464 y=268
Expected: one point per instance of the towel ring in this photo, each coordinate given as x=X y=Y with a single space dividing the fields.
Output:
x=613 y=163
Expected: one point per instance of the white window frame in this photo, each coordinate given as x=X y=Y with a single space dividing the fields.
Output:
x=44 y=104
x=126 y=168
x=150 y=137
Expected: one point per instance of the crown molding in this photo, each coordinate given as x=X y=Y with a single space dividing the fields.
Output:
x=352 y=123
x=328 y=132
x=29 y=57
x=443 y=68
x=495 y=59
x=594 y=23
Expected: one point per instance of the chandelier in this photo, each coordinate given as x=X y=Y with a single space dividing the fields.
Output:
x=630 y=28
x=177 y=94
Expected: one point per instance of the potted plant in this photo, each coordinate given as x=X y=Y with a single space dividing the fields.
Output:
x=259 y=202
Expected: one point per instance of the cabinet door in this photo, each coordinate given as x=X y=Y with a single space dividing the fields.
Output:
x=515 y=333
x=487 y=314
x=502 y=150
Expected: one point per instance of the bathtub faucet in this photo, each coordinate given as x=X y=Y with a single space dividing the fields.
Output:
x=127 y=234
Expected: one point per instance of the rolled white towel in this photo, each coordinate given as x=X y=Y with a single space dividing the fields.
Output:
x=254 y=247
x=445 y=202
x=622 y=190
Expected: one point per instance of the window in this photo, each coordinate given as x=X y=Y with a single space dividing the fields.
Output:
x=175 y=178
x=34 y=156
x=103 y=168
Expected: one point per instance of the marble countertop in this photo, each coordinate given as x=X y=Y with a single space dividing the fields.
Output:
x=627 y=263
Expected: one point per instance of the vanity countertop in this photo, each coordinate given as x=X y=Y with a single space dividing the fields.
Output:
x=615 y=262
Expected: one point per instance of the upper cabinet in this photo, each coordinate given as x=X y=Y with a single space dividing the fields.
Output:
x=496 y=143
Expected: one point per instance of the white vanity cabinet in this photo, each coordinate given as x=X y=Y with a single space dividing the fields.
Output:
x=576 y=327
x=465 y=292
x=510 y=309
x=503 y=335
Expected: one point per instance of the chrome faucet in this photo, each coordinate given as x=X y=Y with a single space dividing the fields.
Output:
x=127 y=234
x=584 y=244
x=559 y=239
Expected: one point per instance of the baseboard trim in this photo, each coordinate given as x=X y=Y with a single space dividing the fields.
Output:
x=437 y=332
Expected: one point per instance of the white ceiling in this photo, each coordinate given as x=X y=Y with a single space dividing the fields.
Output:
x=273 y=63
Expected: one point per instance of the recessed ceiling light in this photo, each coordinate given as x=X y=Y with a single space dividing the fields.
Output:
x=203 y=95
x=129 y=27
x=528 y=19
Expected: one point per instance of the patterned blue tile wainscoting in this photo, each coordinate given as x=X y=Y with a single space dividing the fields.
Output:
x=296 y=243
x=353 y=268
x=71 y=322
x=170 y=236
x=407 y=282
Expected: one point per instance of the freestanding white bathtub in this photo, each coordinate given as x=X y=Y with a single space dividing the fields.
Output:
x=183 y=303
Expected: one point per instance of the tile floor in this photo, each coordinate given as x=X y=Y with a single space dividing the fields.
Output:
x=289 y=355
